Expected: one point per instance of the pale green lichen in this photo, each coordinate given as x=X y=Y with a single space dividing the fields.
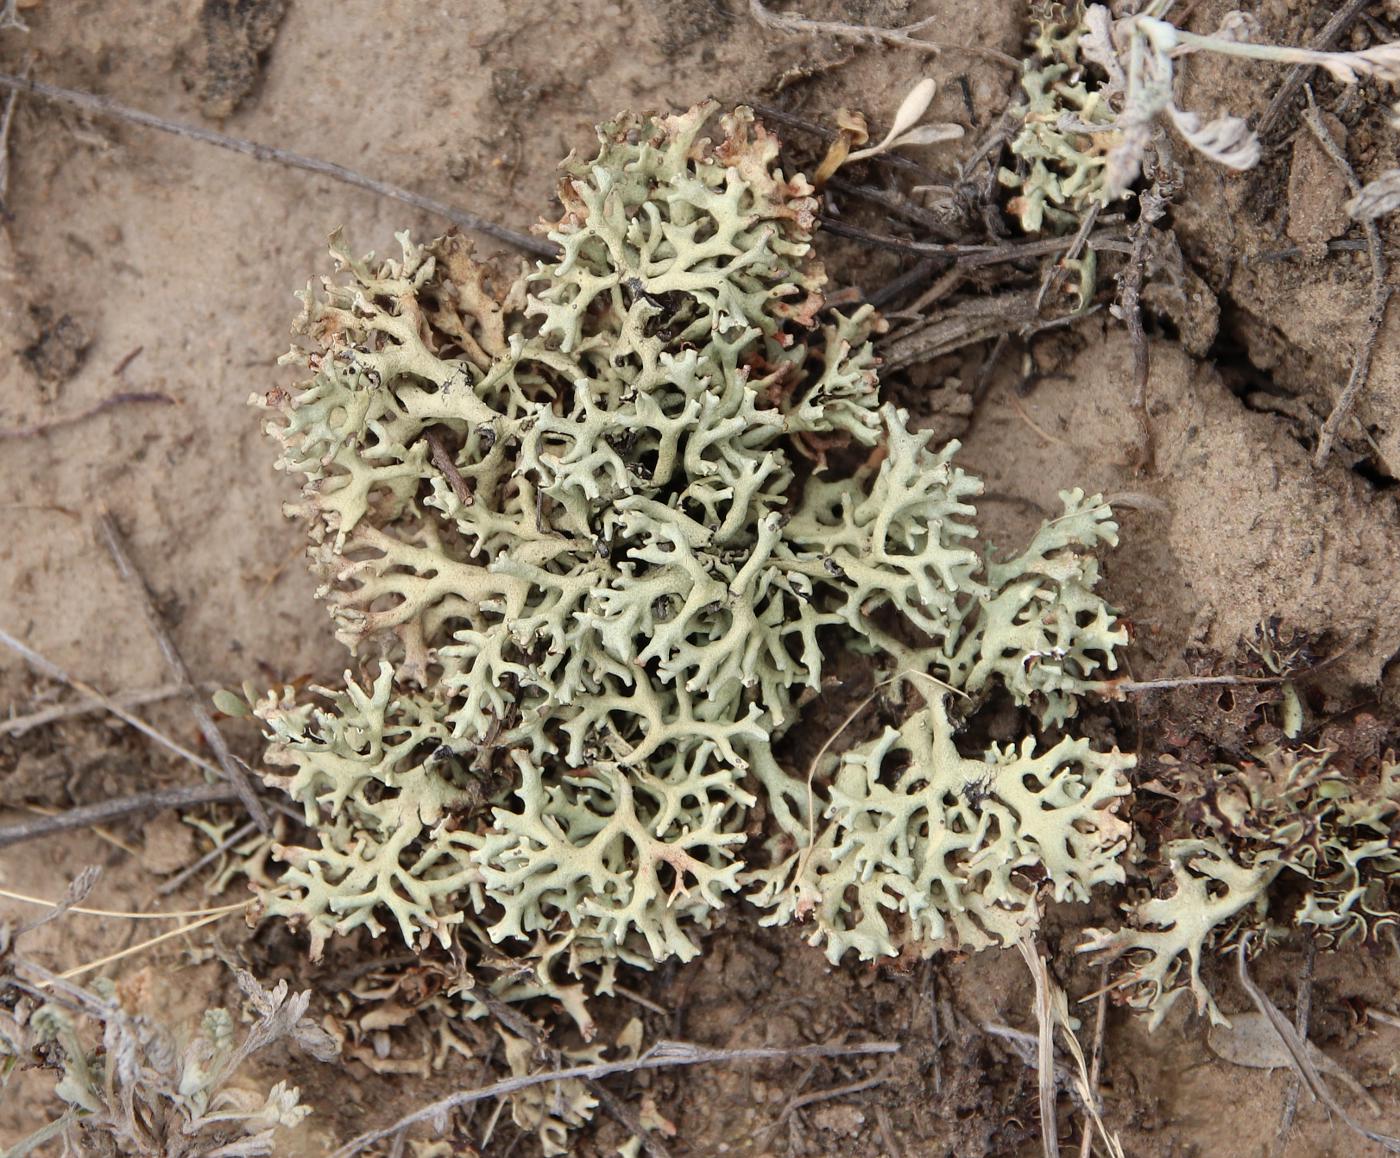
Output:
x=1067 y=127
x=1289 y=819
x=600 y=526
x=944 y=851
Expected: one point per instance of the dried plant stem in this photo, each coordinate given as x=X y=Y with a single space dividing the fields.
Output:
x=775 y=115
x=1380 y=295
x=895 y=205
x=1301 y=1017
x=121 y=398
x=828 y=1095
x=1342 y=19
x=1086 y=1144
x=1300 y=1053
x=1057 y=268
x=663 y=1055
x=966 y=256
x=53 y=671
x=88 y=815
x=18 y=725
x=209 y=857
x=1113 y=687
x=522 y=1026
x=5 y=125
x=101 y=106
x=1045 y=1048
x=233 y=772
x=126 y=915
x=935 y=1032
x=1129 y=310
x=871 y=34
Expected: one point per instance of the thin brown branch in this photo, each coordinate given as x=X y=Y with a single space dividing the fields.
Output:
x=442 y=459
x=523 y=1027
x=1114 y=687
x=779 y=116
x=47 y=667
x=1332 y=31
x=664 y=1055
x=1380 y=295
x=1129 y=310
x=1056 y=269
x=935 y=1032
x=966 y=256
x=1300 y=1052
x=895 y=205
x=5 y=125
x=831 y=1094
x=1026 y=1046
x=88 y=815
x=902 y=37
x=232 y=771
x=1301 y=1017
x=18 y=725
x=121 y=398
x=208 y=858
x=101 y=106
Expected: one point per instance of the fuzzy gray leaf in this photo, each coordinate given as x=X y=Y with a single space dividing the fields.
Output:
x=1227 y=140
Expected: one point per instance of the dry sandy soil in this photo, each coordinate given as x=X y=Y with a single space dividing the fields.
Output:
x=135 y=262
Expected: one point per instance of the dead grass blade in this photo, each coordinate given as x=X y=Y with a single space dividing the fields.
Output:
x=121 y=398
x=1045 y=1063
x=1381 y=291
x=73 y=896
x=1052 y=1011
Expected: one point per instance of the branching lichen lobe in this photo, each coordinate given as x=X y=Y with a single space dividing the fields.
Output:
x=598 y=529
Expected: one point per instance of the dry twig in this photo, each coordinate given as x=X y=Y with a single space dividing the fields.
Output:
x=797 y=1103
x=966 y=256
x=935 y=1031
x=663 y=1055
x=47 y=667
x=1128 y=309
x=232 y=770
x=1332 y=31
x=523 y=1027
x=87 y=815
x=5 y=125
x=1086 y=1145
x=240 y=833
x=18 y=725
x=1045 y=1048
x=1380 y=294
x=121 y=398
x=103 y=107
x=871 y=34
x=1302 y=1015
x=1300 y=1053
x=778 y=116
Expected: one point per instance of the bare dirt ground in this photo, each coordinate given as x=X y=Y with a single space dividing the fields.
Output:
x=138 y=263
